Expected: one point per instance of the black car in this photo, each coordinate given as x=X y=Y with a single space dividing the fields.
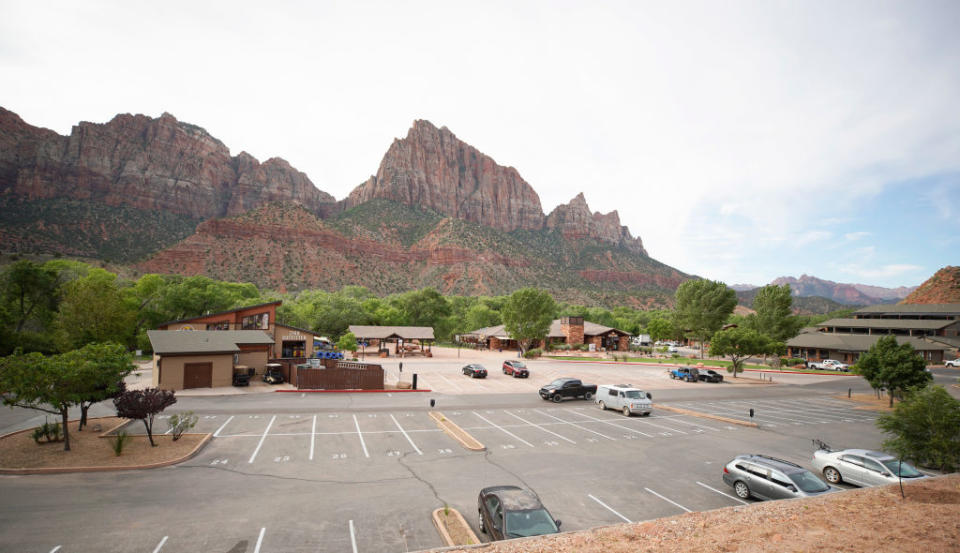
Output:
x=517 y=369
x=508 y=512
x=567 y=387
x=475 y=371
x=710 y=375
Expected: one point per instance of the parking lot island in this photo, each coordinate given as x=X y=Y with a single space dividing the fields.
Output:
x=457 y=433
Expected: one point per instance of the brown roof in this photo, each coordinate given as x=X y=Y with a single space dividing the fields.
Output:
x=204 y=341
x=912 y=309
x=382 y=332
x=589 y=329
x=278 y=302
x=921 y=324
x=855 y=342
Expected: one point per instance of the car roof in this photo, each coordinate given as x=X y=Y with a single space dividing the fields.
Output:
x=879 y=455
x=772 y=462
x=622 y=387
x=513 y=498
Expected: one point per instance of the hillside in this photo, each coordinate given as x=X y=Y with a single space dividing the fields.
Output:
x=802 y=305
x=942 y=287
x=844 y=293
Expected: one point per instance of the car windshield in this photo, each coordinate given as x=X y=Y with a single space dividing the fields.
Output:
x=807 y=482
x=634 y=394
x=906 y=469
x=518 y=365
x=534 y=522
x=558 y=382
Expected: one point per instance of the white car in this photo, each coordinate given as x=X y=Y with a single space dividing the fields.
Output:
x=624 y=398
x=829 y=365
x=955 y=363
x=862 y=467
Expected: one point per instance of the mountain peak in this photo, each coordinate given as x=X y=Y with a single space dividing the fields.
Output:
x=942 y=287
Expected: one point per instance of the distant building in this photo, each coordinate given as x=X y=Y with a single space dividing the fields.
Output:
x=565 y=330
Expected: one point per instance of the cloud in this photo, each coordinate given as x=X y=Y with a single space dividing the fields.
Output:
x=853 y=236
x=811 y=236
x=882 y=272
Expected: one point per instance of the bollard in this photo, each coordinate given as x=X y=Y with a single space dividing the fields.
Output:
x=751 y=412
x=849 y=391
x=414 y=385
x=433 y=403
x=401 y=367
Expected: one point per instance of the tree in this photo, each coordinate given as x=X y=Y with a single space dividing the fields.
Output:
x=94 y=310
x=774 y=316
x=896 y=367
x=30 y=292
x=925 y=428
x=144 y=405
x=101 y=369
x=48 y=384
x=481 y=316
x=527 y=315
x=702 y=306
x=424 y=307
x=659 y=329
x=739 y=344
x=347 y=342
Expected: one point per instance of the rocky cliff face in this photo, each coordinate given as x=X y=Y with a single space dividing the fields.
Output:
x=575 y=221
x=942 y=287
x=145 y=163
x=806 y=286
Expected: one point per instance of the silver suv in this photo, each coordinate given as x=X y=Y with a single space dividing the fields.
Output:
x=766 y=477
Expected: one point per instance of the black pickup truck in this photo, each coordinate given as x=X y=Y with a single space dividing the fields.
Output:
x=567 y=387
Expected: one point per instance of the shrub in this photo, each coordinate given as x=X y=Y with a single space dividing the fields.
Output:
x=118 y=442
x=51 y=431
x=562 y=347
x=180 y=423
x=535 y=352
x=583 y=347
x=925 y=428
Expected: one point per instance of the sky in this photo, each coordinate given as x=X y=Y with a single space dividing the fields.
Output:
x=742 y=141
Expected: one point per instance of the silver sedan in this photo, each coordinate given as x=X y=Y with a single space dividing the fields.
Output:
x=862 y=467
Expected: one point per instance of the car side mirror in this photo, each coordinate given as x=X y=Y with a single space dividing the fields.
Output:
x=649 y=395
x=557 y=522
x=792 y=489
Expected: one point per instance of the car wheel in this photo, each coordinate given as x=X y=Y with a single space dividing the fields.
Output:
x=741 y=489
x=673 y=376
x=556 y=398
x=587 y=395
x=832 y=475
x=603 y=406
x=626 y=411
x=483 y=528
x=647 y=414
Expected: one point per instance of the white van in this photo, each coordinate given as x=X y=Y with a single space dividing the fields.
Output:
x=624 y=398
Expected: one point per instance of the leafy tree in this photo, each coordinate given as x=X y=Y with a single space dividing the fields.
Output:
x=29 y=292
x=925 y=428
x=527 y=315
x=774 y=316
x=198 y=295
x=660 y=329
x=481 y=316
x=740 y=343
x=101 y=369
x=424 y=307
x=144 y=405
x=94 y=310
x=48 y=384
x=702 y=306
x=896 y=367
x=347 y=342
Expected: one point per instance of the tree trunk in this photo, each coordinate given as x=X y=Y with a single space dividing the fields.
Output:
x=65 y=414
x=149 y=427
x=891 y=399
x=83 y=415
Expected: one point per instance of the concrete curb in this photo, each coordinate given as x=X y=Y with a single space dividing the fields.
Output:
x=444 y=535
x=837 y=373
x=63 y=470
x=457 y=433
x=706 y=415
x=705 y=366
x=400 y=391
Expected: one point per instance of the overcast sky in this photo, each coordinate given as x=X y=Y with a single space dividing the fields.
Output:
x=741 y=140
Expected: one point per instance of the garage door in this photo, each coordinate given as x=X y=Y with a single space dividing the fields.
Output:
x=197 y=375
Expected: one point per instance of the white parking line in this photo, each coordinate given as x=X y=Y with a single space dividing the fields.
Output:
x=259 y=540
x=313 y=436
x=450 y=382
x=540 y=427
x=262 y=438
x=222 y=426
x=353 y=537
x=668 y=500
x=362 y=443
x=55 y=549
x=609 y=508
x=576 y=425
x=678 y=418
x=610 y=422
x=160 y=545
x=405 y=435
x=504 y=430
x=747 y=405
x=733 y=497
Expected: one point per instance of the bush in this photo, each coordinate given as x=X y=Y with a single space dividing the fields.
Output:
x=583 y=347
x=562 y=347
x=118 y=442
x=925 y=428
x=535 y=352
x=180 y=423
x=51 y=431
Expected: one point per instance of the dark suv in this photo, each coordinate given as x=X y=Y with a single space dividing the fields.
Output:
x=516 y=369
x=508 y=512
x=766 y=477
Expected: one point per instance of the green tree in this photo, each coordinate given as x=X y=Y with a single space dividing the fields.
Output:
x=347 y=342
x=199 y=295
x=660 y=329
x=896 y=367
x=774 y=316
x=702 y=306
x=94 y=310
x=527 y=315
x=30 y=293
x=100 y=370
x=424 y=307
x=481 y=316
x=740 y=343
x=925 y=428
x=48 y=384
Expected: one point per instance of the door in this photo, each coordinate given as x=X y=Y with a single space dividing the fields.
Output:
x=874 y=474
x=851 y=469
x=494 y=514
x=197 y=375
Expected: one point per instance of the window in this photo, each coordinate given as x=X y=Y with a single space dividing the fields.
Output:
x=260 y=321
x=870 y=464
x=613 y=393
x=853 y=460
x=222 y=325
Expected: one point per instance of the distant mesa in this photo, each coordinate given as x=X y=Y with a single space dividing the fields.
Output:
x=848 y=294
x=942 y=287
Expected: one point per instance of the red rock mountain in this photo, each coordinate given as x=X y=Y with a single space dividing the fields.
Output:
x=942 y=287
x=575 y=221
x=849 y=294
x=144 y=163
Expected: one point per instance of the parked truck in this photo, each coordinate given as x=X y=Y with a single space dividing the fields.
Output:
x=567 y=387
x=828 y=365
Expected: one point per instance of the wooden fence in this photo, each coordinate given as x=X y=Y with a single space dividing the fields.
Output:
x=345 y=376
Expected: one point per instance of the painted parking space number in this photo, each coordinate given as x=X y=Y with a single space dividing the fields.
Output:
x=444 y=451
x=218 y=462
x=283 y=459
x=393 y=453
x=339 y=456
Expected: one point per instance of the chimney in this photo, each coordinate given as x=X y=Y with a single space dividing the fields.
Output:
x=572 y=328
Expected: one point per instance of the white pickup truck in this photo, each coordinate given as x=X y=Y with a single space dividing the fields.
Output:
x=828 y=365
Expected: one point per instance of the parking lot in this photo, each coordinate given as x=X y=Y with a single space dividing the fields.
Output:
x=363 y=481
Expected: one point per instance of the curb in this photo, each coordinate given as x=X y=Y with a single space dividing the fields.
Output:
x=443 y=531
x=457 y=433
x=705 y=366
x=63 y=470
x=837 y=373
x=706 y=415
x=347 y=391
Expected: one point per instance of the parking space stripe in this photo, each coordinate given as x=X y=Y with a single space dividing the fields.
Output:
x=222 y=426
x=160 y=545
x=55 y=549
x=576 y=425
x=722 y=493
x=262 y=438
x=839 y=412
x=540 y=427
x=313 y=436
x=259 y=540
x=645 y=421
x=799 y=419
x=353 y=537
x=625 y=519
x=504 y=430
x=668 y=500
x=730 y=413
x=610 y=422
x=828 y=413
x=786 y=409
x=364 y=444
x=679 y=418
x=405 y=435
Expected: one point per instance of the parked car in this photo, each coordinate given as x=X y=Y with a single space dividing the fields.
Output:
x=567 y=387
x=688 y=374
x=766 y=477
x=508 y=512
x=828 y=365
x=955 y=363
x=516 y=369
x=474 y=370
x=624 y=398
x=709 y=375
x=862 y=467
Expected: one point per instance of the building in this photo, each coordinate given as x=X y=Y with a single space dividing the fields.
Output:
x=407 y=340
x=565 y=330
x=932 y=329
